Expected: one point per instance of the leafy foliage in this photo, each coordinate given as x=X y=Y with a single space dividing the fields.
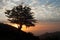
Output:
x=21 y=15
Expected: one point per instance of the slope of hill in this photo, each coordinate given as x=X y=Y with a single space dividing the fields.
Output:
x=50 y=36
x=8 y=32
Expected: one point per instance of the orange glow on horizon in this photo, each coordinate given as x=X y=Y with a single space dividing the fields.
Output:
x=23 y=27
x=41 y=28
x=15 y=25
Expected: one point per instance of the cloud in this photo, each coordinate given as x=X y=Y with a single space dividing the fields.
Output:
x=45 y=10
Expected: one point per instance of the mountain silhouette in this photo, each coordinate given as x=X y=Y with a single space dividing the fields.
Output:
x=50 y=36
x=8 y=32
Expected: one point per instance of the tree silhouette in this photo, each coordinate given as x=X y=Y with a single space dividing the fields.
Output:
x=21 y=15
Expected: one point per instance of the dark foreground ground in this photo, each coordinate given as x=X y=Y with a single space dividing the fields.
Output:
x=8 y=32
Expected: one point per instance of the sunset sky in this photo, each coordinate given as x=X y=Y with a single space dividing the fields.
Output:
x=47 y=12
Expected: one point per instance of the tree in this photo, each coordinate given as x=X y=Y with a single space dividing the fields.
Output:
x=21 y=15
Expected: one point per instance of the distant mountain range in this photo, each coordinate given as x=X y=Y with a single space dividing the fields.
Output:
x=50 y=36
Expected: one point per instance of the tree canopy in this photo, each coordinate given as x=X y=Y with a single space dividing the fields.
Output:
x=21 y=15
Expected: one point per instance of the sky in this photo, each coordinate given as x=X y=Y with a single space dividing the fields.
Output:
x=47 y=12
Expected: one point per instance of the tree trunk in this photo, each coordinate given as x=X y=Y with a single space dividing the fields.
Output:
x=19 y=27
